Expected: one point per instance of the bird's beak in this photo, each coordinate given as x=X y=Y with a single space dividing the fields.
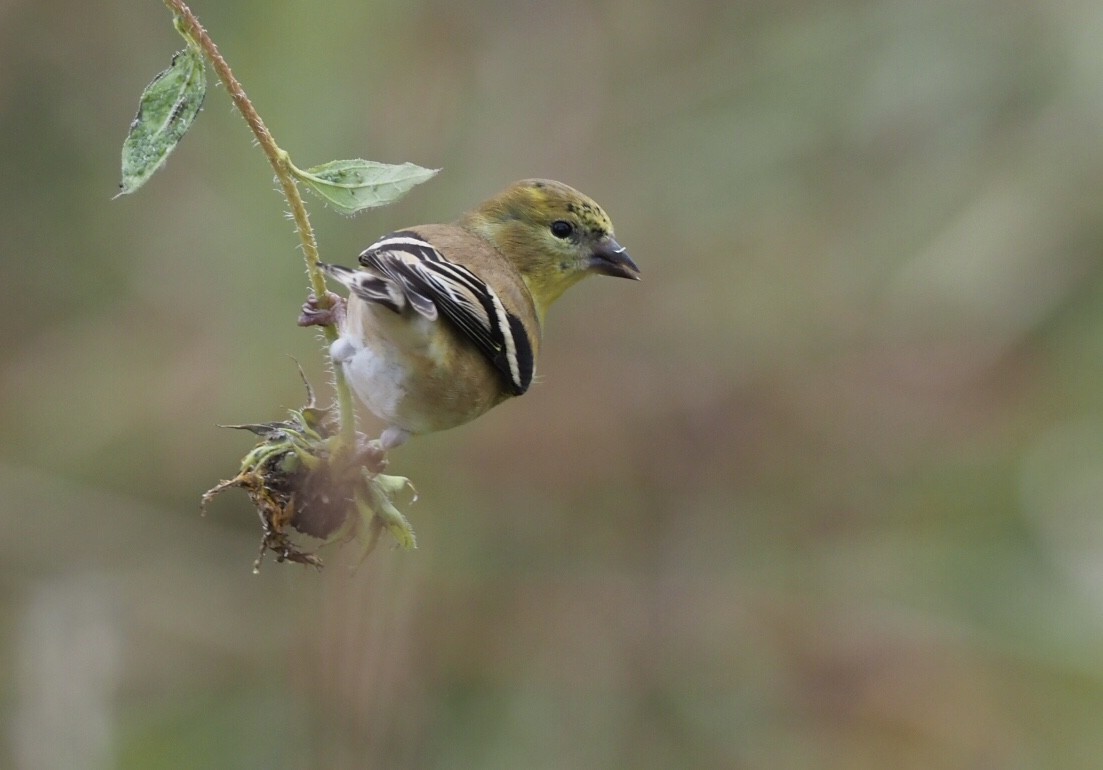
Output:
x=610 y=258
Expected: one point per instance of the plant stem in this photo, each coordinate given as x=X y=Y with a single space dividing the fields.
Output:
x=189 y=24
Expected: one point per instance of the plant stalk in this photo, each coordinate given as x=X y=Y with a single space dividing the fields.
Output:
x=188 y=24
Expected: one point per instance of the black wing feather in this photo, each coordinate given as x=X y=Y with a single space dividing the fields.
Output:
x=428 y=279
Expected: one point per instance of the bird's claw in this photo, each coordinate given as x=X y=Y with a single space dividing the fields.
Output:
x=315 y=314
x=373 y=457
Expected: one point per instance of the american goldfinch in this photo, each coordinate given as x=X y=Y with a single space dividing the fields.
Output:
x=444 y=322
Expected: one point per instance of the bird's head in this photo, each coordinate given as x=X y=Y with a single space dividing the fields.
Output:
x=554 y=235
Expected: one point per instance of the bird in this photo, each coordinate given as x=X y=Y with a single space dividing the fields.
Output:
x=445 y=321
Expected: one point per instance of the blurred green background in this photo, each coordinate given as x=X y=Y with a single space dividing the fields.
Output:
x=825 y=490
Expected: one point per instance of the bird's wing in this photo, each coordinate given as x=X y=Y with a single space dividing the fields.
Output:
x=402 y=265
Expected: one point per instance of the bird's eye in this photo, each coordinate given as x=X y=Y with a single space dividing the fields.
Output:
x=561 y=229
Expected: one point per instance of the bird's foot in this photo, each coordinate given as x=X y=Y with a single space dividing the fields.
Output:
x=332 y=313
x=373 y=456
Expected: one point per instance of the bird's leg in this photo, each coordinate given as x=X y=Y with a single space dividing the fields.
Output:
x=393 y=437
x=313 y=315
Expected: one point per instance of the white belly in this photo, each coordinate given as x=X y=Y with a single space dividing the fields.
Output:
x=378 y=379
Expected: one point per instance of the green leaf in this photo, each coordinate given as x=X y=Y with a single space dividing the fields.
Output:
x=167 y=108
x=354 y=185
x=381 y=493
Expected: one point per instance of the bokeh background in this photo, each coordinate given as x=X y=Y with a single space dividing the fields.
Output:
x=825 y=490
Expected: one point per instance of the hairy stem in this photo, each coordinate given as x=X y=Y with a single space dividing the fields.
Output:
x=188 y=23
